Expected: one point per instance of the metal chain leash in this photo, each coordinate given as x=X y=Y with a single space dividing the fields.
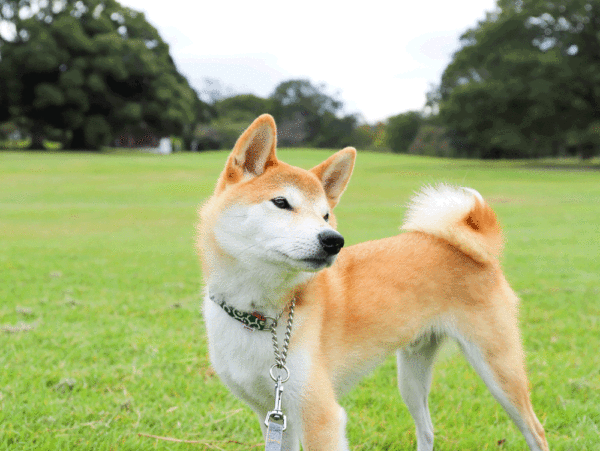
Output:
x=280 y=357
x=274 y=437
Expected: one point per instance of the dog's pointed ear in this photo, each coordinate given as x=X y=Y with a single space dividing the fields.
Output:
x=254 y=150
x=335 y=173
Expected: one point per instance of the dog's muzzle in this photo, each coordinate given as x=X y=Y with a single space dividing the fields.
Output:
x=331 y=241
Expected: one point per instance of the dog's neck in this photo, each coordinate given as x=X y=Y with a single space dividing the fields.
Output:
x=264 y=288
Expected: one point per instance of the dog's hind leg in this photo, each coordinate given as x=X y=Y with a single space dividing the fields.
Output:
x=414 y=379
x=497 y=357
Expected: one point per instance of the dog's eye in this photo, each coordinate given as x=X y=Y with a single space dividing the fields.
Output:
x=326 y=217
x=281 y=202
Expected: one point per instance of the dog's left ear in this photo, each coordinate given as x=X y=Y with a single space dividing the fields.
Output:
x=335 y=173
x=253 y=152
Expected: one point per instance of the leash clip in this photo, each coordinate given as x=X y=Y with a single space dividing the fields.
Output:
x=277 y=413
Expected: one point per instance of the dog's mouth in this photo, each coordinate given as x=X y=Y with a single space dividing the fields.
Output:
x=319 y=263
x=309 y=264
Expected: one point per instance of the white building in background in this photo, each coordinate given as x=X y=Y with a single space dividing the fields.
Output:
x=165 y=147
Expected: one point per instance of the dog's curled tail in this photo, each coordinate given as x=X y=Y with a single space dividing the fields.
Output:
x=458 y=215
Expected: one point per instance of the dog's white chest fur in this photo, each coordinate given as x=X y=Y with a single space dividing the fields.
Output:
x=243 y=358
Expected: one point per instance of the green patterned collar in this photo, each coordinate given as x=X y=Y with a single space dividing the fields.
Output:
x=251 y=321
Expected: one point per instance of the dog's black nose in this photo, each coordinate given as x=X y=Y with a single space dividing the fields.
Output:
x=331 y=241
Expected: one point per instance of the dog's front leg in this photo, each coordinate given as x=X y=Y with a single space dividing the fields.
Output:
x=323 y=419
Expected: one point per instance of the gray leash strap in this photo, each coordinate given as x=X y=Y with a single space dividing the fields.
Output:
x=274 y=437
x=275 y=430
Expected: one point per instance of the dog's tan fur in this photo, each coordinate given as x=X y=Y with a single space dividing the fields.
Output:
x=439 y=278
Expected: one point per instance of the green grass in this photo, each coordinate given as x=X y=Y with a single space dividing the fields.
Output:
x=102 y=338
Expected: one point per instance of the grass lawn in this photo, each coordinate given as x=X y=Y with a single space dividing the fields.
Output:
x=101 y=337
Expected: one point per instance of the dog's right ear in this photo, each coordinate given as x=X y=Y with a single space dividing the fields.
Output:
x=253 y=152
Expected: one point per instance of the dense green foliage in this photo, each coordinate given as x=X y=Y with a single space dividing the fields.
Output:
x=84 y=72
x=242 y=107
x=231 y=116
x=102 y=339
x=401 y=130
x=432 y=140
x=305 y=113
x=526 y=82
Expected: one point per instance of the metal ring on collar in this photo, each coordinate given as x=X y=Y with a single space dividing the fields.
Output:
x=283 y=367
x=273 y=322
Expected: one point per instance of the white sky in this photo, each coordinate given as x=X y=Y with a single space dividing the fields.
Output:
x=380 y=56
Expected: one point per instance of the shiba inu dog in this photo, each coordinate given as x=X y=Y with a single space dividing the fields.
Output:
x=267 y=236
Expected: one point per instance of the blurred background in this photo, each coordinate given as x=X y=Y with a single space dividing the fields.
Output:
x=479 y=79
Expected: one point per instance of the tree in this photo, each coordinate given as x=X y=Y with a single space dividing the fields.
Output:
x=242 y=107
x=336 y=131
x=525 y=83
x=230 y=117
x=402 y=129
x=300 y=107
x=89 y=69
x=305 y=114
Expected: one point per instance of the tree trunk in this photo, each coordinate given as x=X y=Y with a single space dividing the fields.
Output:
x=78 y=141
x=37 y=138
x=587 y=151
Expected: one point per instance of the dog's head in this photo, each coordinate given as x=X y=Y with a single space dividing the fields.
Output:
x=265 y=211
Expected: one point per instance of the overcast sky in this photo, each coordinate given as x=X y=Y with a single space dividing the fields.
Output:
x=380 y=56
